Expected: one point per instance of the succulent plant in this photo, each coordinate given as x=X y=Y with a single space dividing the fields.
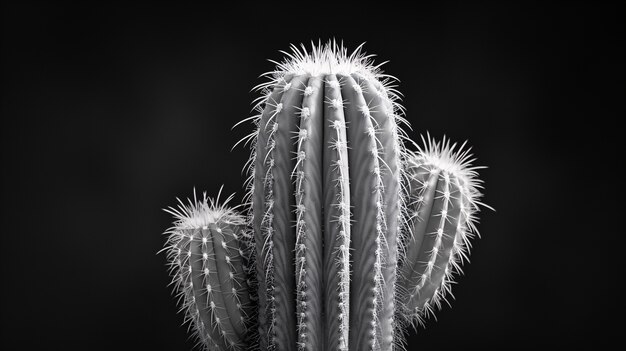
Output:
x=347 y=238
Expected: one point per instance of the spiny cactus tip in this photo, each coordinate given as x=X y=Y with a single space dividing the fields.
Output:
x=199 y=213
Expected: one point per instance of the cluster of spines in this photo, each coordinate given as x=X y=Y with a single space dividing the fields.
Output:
x=208 y=272
x=444 y=200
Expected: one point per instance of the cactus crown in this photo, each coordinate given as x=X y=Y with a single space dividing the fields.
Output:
x=321 y=60
x=458 y=161
x=451 y=159
x=331 y=58
x=198 y=214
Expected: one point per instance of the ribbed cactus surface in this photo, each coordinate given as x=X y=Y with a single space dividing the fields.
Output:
x=348 y=237
x=326 y=204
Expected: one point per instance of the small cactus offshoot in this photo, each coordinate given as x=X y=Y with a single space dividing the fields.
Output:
x=347 y=237
x=442 y=206
x=207 y=258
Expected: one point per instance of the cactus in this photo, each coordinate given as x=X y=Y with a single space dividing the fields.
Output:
x=349 y=237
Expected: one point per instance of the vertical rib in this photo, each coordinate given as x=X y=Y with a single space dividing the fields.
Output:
x=368 y=226
x=388 y=155
x=262 y=203
x=283 y=235
x=336 y=219
x=309 y=240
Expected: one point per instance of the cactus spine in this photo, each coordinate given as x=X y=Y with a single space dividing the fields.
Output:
x=349 y=237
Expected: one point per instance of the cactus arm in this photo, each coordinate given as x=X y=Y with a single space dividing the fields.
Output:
x=388 y=154
x=308 y=184
x=368 y=226
x=283 y=239
x=336 y=220
x=445 y=199
x=261 y=219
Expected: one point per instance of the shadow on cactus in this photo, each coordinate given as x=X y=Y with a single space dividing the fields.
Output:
x=347 y=237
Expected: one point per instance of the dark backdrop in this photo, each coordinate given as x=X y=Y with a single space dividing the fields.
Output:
x=109 y=113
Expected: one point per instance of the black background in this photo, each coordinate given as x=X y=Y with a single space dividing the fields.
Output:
x=109 y=113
